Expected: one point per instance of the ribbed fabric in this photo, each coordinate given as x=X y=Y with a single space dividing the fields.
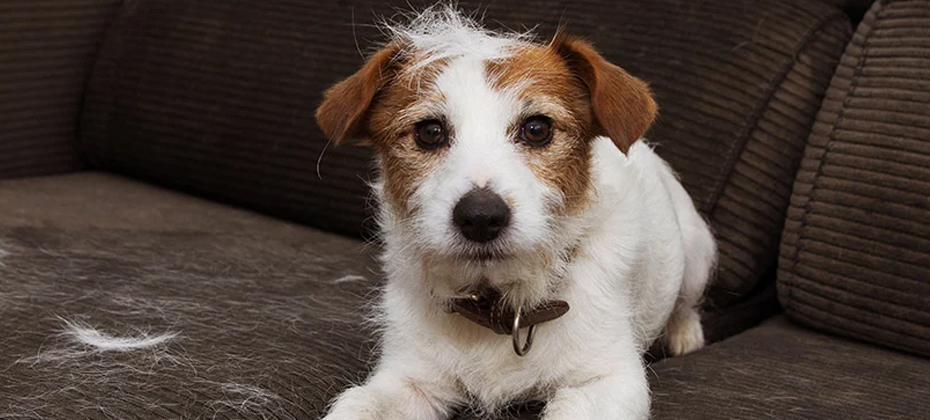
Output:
x=47 y=48
x=217 y=97
x=258 y=318
x=743 y=127
x=855 y=259
x=783 y=371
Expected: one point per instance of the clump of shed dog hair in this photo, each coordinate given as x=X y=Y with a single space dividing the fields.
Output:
x=78 y=340
x=99 y=359
x=102 y=342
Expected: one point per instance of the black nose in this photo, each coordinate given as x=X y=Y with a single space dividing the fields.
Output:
x=481 y=215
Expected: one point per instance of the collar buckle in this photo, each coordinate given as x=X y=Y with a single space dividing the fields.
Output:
x=488 y=309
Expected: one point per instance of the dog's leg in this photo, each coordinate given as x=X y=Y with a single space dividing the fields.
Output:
x=396 y=395
x=683 y=333
x=618 y=396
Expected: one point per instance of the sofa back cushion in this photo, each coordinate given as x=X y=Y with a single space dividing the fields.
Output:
x=855 y=259
x=47 y=50
x=217 y=98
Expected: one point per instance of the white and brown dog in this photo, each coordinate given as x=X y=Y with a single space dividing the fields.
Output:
x=514 y=184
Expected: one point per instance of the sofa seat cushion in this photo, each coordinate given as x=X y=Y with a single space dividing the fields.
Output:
x=122 y=300
x=782 y=371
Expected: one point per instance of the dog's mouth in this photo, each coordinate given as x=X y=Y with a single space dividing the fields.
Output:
x=485 y=255
x=488 y=256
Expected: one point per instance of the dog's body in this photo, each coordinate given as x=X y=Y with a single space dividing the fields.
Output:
x=586 y=214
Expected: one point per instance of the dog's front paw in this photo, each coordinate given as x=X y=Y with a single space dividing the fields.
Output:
x=356 y=403
x=393 y=399
x=685 y=334
x=611 y=397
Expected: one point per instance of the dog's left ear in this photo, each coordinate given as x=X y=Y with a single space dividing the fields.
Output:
x=622 y=105
x=342 y=114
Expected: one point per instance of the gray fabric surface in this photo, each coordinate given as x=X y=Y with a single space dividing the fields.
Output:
x=47 y=50
x=856 y=253
x=217 y=97
x=783 y=371
x=235 y=315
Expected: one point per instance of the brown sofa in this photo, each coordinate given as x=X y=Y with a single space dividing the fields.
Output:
x=163 y=181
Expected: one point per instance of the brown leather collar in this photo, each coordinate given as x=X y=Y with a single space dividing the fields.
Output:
x=489 y=310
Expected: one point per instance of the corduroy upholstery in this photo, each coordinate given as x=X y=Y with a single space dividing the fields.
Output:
x=856 y=253
x=256 y=318
x=47 y=50
x=782 y=371
x=220 y=99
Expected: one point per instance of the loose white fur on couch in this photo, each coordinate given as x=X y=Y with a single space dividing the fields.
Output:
x=100 y=341
x=77 y=340
x=96 y=356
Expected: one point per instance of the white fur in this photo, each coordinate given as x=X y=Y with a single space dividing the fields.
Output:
x=349 y=278
x=3 y=255
x=104 y=342
x=440 y=33
x=641 y=259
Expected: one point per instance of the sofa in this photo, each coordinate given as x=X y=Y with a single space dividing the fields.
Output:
x=179 y=241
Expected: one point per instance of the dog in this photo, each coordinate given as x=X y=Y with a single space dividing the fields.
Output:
x=534 y=245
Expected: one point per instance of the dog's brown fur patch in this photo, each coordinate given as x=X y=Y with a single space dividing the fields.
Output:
x=376 y=104
x=342 y=115
x=406 y=100
x=622 y=104
x=540 y=78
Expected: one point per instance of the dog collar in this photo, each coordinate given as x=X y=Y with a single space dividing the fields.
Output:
x=489 y=310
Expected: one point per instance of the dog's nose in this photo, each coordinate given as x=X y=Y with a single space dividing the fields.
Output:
x=481 y=215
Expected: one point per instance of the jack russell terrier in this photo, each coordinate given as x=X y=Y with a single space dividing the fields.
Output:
x=534 y=244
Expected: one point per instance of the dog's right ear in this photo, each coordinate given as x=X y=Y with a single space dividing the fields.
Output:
x=345 y=105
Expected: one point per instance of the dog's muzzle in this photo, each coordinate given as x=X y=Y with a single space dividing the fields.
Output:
x=489 y=310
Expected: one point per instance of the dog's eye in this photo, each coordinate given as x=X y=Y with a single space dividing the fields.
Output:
x=430 y=134
x=536 y=131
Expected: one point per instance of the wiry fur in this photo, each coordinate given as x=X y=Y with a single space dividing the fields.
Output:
x=618 y=237
x=444 y=33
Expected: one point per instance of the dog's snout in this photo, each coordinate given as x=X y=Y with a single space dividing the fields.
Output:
x=481 y=215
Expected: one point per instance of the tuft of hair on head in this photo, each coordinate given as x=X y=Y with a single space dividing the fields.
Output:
x=443 y=31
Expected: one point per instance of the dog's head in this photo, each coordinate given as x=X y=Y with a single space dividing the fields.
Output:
x=484 y=140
